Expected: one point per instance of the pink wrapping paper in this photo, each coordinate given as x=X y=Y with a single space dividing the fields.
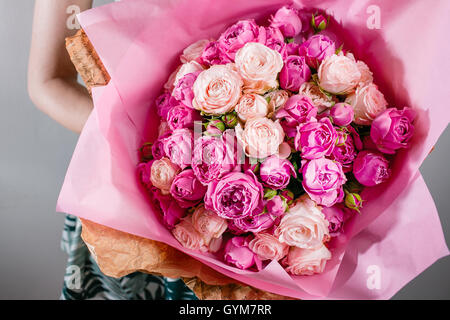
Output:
x=139 y=43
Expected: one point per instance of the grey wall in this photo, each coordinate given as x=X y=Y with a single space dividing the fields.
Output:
x=34 y=155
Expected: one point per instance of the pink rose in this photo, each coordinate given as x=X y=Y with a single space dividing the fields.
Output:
x=261 y=137
x=188 y=236
x=253 y=223
x=183 y=91
x=181 y=116
x=344 y=152
x=238 y=254
x=276 y=206
x=172 y=212
x=292 y=48
x=258 y=66
x=303 y=226
x=267 y=247
x=335 y=217
x=158 y=147
x=276 y=173
x=277 y=100
x=338 y=74
x=164 y=103
x=212 y=54
x=178 y=147
x=217 y=90
x=315 y=139
x=288 y=21
x=163 y=171
x=208 y=223
x=251 y=106
x=323 y=180
x=186 y=68
x=392 y=129
x=294 y=73
x=236 y=195
x=186 y=189
x=194 y=51
x=275 y=40
x=316 y=49
x=367 y=102
x=297 y=110
x=371 y=168
x=306 y=262
x=318 y=98
x=168 y=86
x=342 y=114
x=143 y=172
x=236 y=36
x=366 y=74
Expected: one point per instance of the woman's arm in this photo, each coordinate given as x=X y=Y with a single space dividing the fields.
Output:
x=52 y=79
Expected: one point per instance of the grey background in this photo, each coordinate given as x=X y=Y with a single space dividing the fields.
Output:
x=35 y=152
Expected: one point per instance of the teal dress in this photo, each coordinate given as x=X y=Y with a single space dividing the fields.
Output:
x=84 y=280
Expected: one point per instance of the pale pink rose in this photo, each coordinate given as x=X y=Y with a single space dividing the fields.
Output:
x=258 y=66
x=366 y=74
x=338 y=74
x=251 y=106
x=208 y=223
x=169 y=85
x=319 y=99
x=306 y=262
x=303 y=226
x=189 y=67
x=194 y=51
x=162 y=173
x=277 y=100
x=367 y=102
x=188 y=236
x=217 y=90
x=261 y=137
x=267 y=247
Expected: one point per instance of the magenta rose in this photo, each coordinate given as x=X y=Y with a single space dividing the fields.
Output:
x=292 y=48
x=158 y=146
x=392 y=129
x=164 y=103
x=297 y=110
x=171 y=210
x=212 y=54
x=178 y=147
x=342 y=114
x=335 y=216
x=236 y=36
x=323 y=180
x=315 y=139
x=253 y=223
x=371 y=168
x=276 y=206
x=344 y=152
x=238 y=254
x=186 y=189
x=316 y=49
x=288 y=21
x=144 y=173
x=275 y=40
x=275 y=173
x=181 y=116
x=211 y=159
x=294 y=73
x=183 y=90
x=235 y=196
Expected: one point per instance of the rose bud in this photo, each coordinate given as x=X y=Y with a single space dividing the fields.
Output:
x=276 y=206
x=238 y=254
x=146 y=152
x=319 y=22
x=392 y=129
x=230 y=120
x=288 y=196
x=316 y=49
x=353 y=201
x=276 y=173
x=294 y=73
x=371 y=168
x=215 y=127
x=342 y=114
x=288 y=21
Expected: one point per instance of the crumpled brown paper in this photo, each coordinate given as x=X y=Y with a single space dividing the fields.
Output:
x=118 y=253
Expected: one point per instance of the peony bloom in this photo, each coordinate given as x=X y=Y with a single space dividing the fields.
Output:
x=294 y=73
x=258 y=66
x=267 y=247
x=392 y=129
x=162 y=173
x=183 y=90
x=371 y=168
x=288 y=21
x=178 y=147
x=316 y=49
x=306 y=262
x=186 y=189
x=251 y=106
x=235 y=196
x=297 y=110
x=338 y=74
x=318 y=98
x=217 y=90
x=367 y=102
x=188 y=236
x=323 y=180
x=238 y=254
x=303 y=226
x=275 y=172
x=208 y=223
x=315 y=139
x=261 y=137
x=194 y=51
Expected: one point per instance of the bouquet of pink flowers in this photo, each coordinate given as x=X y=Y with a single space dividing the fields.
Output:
x=268 y=138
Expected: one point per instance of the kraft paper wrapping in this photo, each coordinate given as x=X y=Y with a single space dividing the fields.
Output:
x=118 y=253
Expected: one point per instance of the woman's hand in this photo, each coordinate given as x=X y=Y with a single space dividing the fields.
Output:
x=52 y=79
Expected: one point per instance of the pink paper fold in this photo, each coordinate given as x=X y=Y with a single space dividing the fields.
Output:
x=140 y=42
